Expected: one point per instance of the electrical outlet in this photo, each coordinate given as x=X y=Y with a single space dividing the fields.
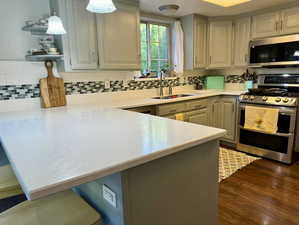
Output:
x=109 y=196
x=107 y=84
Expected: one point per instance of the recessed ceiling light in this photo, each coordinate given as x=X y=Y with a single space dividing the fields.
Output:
x=227 y=3
x=169 y=9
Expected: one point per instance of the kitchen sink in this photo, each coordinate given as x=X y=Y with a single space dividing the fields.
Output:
x=173 y=96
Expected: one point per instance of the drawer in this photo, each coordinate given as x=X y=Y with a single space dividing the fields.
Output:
x=198 y=104
x=171 y=109
x=196 y=112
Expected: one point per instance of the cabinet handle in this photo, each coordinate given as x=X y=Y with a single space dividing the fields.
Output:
x=210 y=59
x=276 y=26
x=93 y=54
x=281 y=25
x=245 y=58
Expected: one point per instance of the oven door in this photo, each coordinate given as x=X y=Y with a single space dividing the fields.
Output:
x=277 y=146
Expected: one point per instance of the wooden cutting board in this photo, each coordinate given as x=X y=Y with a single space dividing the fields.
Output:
x=52 y=89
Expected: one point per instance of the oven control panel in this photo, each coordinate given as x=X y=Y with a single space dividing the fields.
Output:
x=269 y=100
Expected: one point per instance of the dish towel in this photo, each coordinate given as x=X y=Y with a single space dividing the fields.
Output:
x=180 y=116
x=261 y=119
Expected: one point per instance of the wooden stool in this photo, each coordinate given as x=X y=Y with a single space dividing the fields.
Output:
x=9 y=185
x=64 y=208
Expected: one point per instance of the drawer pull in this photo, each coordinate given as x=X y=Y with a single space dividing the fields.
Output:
x=198 y=106
x=172 y=111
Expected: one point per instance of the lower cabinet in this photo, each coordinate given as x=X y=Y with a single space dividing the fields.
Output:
x=199 y=117
x=229 y=117
x=219 y=112
x=216 y=113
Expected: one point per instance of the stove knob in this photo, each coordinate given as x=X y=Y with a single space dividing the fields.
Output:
x=278 y=99
x=285 y=100
x=265 y=98
x=252 y=97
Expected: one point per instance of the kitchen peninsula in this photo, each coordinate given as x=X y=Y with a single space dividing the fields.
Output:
x=160 y=171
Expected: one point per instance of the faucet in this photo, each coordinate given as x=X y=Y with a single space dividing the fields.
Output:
x=170 y=89
x=161 y=84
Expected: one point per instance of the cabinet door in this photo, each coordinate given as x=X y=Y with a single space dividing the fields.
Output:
x=290 y=21
x=200 y=42
x=265 y=25
x=220 y=44
x=81 y=36
x=199 y=117
x=229 y=117
x=242 y=38
x=119 y=38
x=216 y=114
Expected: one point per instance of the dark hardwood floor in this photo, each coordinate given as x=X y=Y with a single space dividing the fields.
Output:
x=263 y=193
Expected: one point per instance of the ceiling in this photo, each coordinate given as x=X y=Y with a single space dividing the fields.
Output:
x=208 y=9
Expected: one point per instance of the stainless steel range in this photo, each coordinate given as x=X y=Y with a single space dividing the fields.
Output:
x=279 y=91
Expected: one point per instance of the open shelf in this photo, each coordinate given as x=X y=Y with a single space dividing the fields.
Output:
x=40 y=58
x=36 y=29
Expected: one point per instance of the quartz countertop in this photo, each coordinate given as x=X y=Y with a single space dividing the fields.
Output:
x=52 y=150
x=140 y=101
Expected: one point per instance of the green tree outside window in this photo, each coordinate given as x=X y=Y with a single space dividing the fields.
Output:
x=154 y=47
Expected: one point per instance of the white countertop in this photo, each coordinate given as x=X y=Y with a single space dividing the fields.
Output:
x=56 y=149
x=125 y=102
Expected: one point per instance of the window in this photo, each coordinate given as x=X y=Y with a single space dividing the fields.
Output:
x=155 y=47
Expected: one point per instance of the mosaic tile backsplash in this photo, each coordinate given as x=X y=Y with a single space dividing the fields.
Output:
x=10 y=92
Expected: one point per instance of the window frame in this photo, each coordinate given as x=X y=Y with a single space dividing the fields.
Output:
x=149 y=59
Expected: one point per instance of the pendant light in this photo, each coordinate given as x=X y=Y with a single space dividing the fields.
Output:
x=55 y=26
x=101 y=6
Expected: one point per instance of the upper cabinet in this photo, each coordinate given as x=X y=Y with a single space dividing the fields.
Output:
x=119 y=38
x=265 y=25
x=290 y=21
x=276 y=23
x=195 y=41
x=98 y=41
x=220 y=44
x=241 y=41
x=82 y=36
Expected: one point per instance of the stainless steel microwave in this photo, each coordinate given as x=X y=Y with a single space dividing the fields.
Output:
x=280 y=51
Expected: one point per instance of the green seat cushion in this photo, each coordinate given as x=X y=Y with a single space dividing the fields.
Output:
x=9 y=185
x=64 y=208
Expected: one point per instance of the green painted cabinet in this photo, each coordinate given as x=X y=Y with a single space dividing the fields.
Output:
x=216 y=112
x=229 y=117
x=199 y=117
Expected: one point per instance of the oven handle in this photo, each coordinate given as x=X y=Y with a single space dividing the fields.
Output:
x=282 y=110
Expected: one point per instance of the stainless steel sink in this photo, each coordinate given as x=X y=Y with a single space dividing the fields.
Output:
x=173 y=96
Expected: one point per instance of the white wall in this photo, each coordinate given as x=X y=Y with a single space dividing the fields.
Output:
x=14 y=43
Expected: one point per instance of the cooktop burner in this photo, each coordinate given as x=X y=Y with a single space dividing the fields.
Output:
x=276 y=92
x=270 y=96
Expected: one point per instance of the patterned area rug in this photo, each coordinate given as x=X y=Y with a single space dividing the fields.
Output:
x=231 y=161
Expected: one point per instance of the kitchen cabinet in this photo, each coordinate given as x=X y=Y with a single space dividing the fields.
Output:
x=216 y=113
x=98 y=41
x=276 y=23
x=199 y=117
x=220 y=112
x=81 y=36
x=265 y=25
x=119 y=38
x=242 y=28
x=229 y=117
x=220 y=44
x=195 y=41
x=168 y=109
x=290 y=20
